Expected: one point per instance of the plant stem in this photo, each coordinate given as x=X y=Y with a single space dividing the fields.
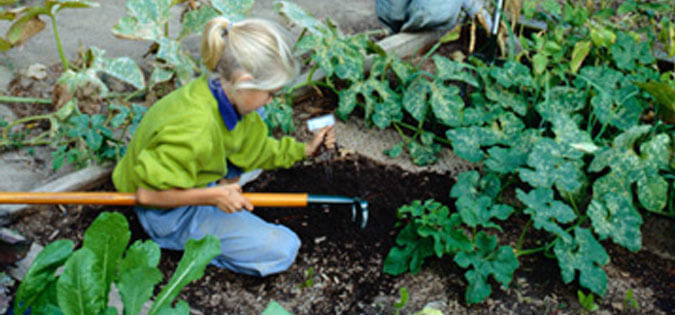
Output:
x=522 y=235
x=5 y=130
x=431 y=51
x=574 y=205
x=17 y=99
x=64 y=61
x=412 y=128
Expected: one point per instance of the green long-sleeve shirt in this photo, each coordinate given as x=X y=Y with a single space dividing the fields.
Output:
x=182 y=142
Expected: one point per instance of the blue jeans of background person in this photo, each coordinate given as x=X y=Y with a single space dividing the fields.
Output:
x=249 y=245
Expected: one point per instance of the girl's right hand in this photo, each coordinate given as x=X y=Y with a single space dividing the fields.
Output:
x=229 y=198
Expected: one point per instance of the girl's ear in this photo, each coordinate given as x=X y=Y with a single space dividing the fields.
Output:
x=242 y=76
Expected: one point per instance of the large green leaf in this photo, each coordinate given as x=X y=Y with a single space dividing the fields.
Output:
x=581 y=50
x=138 y=274
x=486 y=261
x=278 y=114
x=567 y=131
x=626 y=51
x=107 y=237
x=410 y=252
x=627 y=167
x=447 y=104
x=182 y=308
x=447 y=69
x=467 y=142
x=123 y=68
x=561 y=100
x=546 y=212
x=664 y=95
x=145 y=20
x=424 y=152
x=512 y=74
x=612 y=105
x=173 y=54
x=553 y=164
x=300 y=17
x=585 y=254
x=614 y=216
x=198 y=253
x=415 y=98
x=507 y=99
x=195 y=20
x=40 y=273
x=479 y=211
x=382 y=104
x=508 y=160
x=234 y=10
x=80 y=287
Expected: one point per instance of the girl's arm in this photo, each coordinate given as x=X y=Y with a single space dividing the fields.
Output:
x=227 y=198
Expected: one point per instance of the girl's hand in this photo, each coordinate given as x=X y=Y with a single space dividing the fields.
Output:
x=229 y=198
x=326 y=136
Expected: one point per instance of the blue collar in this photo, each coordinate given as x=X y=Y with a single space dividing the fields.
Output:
x=227 y=111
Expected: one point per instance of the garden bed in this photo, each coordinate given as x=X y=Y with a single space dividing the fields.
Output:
x=347 y=272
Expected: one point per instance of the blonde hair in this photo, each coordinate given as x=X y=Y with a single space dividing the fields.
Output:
x=255 y=46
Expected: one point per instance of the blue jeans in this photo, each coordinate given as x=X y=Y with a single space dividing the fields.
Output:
x=249 y=245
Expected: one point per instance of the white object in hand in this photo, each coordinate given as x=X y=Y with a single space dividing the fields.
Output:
x=317 y=123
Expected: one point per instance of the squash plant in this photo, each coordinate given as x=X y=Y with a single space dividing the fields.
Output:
x=105 y=259
x=564 y=132
x=149 y=20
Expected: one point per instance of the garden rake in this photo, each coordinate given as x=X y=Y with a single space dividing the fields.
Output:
x=359 y=206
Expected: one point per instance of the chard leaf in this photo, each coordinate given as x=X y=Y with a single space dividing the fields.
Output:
x=447 y=69
x=107 y=237
x=553 y=164
x=585 y=254
x=145 y=20
x=138 y=275
x=410 y=252
x=198 y=253
x=80 y=287
x=486 y=261
x=234 y=10
x=614 y=216
x=546 y=211
x=182 y=308
x=41 y=273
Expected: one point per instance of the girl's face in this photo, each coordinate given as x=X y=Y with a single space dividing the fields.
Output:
x=248 y=100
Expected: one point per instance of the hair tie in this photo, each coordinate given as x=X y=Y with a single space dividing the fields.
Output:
x=228 y=28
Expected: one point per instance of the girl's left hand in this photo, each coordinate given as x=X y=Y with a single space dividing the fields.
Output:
x=326 y=136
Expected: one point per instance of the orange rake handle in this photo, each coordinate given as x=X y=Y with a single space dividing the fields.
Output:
x=129 y=199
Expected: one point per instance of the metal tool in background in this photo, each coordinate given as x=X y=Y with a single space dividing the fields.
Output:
x=274 y=200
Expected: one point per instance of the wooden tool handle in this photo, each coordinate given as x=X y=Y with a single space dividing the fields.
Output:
x=129 y=199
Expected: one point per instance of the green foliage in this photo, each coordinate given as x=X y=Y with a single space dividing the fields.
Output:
x=629 y=299
x=587 y=302
x=403 y=292
x=309 y=279
x=586 y=254
x=279 y=114
x=274 y=308
x=104 y=259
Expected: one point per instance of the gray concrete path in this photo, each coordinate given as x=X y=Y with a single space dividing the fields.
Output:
x=81 y=28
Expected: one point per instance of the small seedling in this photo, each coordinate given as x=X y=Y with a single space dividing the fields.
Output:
x=309 y=279
x=587 y=302
x=402 y=301
x=629 y=299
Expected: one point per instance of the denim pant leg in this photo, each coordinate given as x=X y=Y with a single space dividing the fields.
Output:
x=249 y=244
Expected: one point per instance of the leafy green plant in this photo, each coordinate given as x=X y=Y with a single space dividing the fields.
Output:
x=400 y=304
x=27 y=22
x=149 y=20
x=308 y=279
x=587 y=302
x=629 y=300
x=104 y=259
x=563 y=127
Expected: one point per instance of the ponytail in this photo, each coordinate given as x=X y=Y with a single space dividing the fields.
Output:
x=255 y=46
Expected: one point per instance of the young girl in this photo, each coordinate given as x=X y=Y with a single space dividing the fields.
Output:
x=210 y=129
